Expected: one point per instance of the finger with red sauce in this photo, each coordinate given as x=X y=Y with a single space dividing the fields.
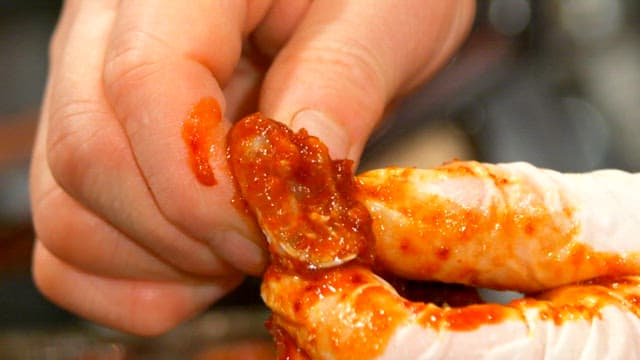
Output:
x=198 y=132
x=302 y=199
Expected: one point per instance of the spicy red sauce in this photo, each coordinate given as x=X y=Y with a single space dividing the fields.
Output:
x=470 y=317
x=310 y=203
x=286 y=347
x=303 y=200
x=513 y=241
x=362 y=321
x=198 y=132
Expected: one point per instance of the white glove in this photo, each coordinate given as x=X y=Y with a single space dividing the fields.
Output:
x=507 y=226
x=569 y=240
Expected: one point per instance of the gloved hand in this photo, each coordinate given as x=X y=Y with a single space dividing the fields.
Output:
x=569 y=241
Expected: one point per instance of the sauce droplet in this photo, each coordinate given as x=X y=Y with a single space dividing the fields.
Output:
x=198 y=134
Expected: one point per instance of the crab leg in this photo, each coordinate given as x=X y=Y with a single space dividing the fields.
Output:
x=571 y=239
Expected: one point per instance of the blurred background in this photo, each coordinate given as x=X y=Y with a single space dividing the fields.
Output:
x=552 y=82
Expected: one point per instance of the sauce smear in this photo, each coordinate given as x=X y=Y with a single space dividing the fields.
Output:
x=198 y=134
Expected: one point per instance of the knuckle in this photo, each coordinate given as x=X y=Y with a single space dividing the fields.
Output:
x=358 y=61
x=135 y=56
x=71 y=141
x=352 y=63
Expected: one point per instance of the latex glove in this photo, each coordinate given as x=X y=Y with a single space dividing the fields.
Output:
x=569 y=240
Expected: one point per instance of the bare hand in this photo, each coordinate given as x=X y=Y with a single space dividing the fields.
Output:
x=126 y=234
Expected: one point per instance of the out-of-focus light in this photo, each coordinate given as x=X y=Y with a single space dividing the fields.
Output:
x=591 y=131
x=14 y=195
x=591 y=20
x=510 y=17
x=612 y=79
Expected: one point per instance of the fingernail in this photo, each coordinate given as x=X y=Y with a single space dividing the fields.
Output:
x=240 y=252
x=329 y=131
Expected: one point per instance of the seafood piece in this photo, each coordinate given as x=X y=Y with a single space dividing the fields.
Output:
x=350 y=313
x=301 y=198
x=506 y=226
x=570 y=239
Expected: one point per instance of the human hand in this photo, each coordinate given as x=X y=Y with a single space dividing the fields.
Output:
x=126 y=234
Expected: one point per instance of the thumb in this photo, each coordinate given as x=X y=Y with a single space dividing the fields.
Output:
x=348 y=59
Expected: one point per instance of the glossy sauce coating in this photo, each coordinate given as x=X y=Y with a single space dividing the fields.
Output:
x=310 y=209
x=347 y=310
x=286 y=347
x=513 y=240
x=198 y=134
x=303 y=200
x=359 y=318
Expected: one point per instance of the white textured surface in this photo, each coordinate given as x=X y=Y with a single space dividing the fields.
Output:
x=613 y=336
x=606 y=209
